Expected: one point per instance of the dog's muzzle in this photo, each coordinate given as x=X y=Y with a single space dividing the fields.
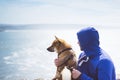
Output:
x=51 y=49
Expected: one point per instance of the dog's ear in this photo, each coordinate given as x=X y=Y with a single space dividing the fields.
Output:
x=56 y=38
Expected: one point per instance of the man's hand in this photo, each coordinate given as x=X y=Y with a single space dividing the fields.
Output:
x=75 y=73
x=56 y=61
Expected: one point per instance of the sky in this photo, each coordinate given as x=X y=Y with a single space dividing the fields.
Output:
x=99 y=12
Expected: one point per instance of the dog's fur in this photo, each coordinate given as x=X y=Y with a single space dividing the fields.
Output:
x=66 y=57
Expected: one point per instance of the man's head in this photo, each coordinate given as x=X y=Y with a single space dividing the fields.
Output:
x=88 y=38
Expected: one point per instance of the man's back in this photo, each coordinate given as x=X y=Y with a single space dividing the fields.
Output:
x=99 y=66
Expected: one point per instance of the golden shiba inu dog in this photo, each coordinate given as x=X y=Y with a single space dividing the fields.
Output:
x=66 y=56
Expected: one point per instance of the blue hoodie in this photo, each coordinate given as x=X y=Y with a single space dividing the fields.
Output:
x=99 y=66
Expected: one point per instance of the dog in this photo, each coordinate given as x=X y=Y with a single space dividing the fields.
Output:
x=66 y=56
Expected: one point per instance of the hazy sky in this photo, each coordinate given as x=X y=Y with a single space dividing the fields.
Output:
x=100 y=12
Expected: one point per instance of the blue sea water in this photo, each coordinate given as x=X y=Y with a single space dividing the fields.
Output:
x=23 y=54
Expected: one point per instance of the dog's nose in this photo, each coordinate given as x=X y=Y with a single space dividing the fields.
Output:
x=50 y=49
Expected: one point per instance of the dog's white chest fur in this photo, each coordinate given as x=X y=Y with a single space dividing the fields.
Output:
x=66 y=75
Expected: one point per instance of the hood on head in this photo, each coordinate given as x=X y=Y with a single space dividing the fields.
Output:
x=89 y=40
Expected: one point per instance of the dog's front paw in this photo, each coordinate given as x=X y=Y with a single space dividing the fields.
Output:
x=57 y=77
x=54 y=79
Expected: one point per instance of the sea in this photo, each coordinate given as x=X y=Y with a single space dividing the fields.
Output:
x=23 y=54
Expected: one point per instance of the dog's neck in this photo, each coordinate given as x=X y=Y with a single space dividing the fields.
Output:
x=64 y=50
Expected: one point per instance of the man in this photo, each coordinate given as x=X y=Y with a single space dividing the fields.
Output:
x=93 y=63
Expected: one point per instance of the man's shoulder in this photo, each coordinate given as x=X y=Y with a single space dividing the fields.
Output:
x=104 y=56
x=105 y=59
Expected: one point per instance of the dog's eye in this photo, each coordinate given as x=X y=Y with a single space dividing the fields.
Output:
x=59 y=43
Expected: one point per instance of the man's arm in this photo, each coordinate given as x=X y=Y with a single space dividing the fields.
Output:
x=104 y=71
